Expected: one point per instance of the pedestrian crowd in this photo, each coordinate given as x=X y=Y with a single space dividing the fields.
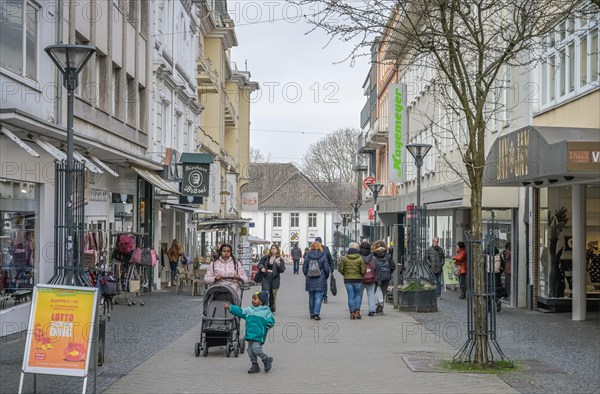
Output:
x=366 y=269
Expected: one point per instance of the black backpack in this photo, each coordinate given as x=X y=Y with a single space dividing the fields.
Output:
x=384 y=271
x=109 y=285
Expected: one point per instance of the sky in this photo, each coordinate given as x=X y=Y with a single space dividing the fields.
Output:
x=304 y=94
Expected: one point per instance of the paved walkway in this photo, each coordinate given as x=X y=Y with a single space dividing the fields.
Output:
x=333 y=355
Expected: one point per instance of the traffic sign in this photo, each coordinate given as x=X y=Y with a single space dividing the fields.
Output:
x=368 y=181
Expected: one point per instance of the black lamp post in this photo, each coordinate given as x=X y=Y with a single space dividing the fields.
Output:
x=418 y=152
x=70 y=60
x=375 y=189
x=337 y=236
x=345 y=218
x=355 y=206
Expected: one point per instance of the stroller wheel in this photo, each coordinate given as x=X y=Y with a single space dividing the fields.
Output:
x=498 y=306
x=242 y=347
x=204 y=348
x=236 y=350
x=228 y=350
x=198 y=347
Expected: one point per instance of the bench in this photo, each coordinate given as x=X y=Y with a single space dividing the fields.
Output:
x=21 y=296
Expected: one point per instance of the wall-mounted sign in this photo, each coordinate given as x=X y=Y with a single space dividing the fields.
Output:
x=397 y=129
x=231 y=189
x=583 y=156
x=276 y=235
x=294 y=236
x=195 y=180
x=250 y=201
x=59 y=337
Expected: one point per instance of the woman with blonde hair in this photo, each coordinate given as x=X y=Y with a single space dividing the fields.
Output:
x=174 y=253
x=316 y=270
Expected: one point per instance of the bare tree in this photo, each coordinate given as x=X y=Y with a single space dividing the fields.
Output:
x=467 y=45
x=330 y=159
x=256 y=156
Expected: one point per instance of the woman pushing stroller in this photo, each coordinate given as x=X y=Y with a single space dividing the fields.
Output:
x=226 y=270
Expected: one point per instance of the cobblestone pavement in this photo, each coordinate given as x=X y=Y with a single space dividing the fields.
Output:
x=133 y=334
x=571 y=348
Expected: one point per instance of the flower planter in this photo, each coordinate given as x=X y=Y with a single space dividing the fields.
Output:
x=417 y=301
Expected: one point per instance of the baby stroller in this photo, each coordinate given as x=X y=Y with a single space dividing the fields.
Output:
x=219 y=327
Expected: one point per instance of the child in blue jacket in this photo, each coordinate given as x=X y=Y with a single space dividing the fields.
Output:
x=259 y=319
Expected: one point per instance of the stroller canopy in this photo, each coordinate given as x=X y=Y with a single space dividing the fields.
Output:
x=221 y=293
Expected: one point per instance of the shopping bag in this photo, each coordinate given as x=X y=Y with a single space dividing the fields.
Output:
x=134 y=285
x=90 y=254
x=332 y=284
x=136 y=256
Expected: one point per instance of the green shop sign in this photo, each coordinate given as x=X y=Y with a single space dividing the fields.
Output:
x=397 y=124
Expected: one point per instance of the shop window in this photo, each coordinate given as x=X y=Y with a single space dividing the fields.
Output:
x=18 y=236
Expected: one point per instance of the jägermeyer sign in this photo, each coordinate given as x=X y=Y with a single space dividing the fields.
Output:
x=195 y=180
x=398 y=126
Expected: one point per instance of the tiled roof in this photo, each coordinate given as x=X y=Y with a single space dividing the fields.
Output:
x=342 y=193
x=282 y=185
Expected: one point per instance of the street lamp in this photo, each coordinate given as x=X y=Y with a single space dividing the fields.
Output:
x=375 y=189
x=418 y=152
x=355 y=206
x=70 y=60
x=337 y=236
x=345 y=219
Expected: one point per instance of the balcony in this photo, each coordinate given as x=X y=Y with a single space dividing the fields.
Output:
x=361 y=147
x=230 y=114
x=207 y=79
x=365 y=114
x=359 y=163
x=377 y=137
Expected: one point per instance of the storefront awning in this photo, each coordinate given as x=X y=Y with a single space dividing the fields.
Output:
x=542 y=156
x=184 y=208
x=257 y=241
x=19 y=142
x=154 y=179
x=104 y=166
x=220 y=223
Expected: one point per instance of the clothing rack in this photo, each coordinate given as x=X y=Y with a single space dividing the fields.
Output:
x=133 y=279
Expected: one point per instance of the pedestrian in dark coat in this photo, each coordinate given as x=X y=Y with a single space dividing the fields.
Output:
x=272 y=265
x=329 y=261
x=296 y=253
x=385 y=270
x=316 y=285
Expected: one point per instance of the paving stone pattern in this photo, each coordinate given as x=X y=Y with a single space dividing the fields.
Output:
x=133 y=334
x=571 y=348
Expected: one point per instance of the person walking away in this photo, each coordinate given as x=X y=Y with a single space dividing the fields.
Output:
x=460 y=260
x=316 y=271
x=226 y=270
x=507 y=257
x=352 y=267
x=329 y=261
x=296 y=253
x=369 y=281
x=385 y=269
x=434 y=255
x=174 y=253
x=272 y=265
x=259 y=320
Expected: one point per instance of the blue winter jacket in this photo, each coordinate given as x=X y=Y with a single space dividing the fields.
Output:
x=320 y=283
x=258 y=321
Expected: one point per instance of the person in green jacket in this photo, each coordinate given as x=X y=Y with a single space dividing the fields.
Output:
x=352 y=267
x=259 y=319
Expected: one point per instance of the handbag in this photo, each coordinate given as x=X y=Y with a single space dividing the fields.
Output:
x=456 y=271
x=90 y=254
x=19 y=258
x=133 y=280
x=258 y=277
x=126 y=243
x=136 y=256
x=332 y=285
x=146 y=257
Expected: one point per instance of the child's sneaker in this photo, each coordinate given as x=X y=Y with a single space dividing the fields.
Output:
x=254 y=368
x=268 y=363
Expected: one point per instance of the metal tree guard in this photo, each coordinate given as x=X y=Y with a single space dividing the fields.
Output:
x=481 y=302
x=68 y=256
x=417 y=268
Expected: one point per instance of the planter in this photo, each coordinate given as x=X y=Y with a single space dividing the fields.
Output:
x=417 y=301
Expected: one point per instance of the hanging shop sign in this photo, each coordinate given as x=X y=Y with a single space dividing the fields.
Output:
x=60 y=332
x=250 y=201
x=195 y=176
x=398 y=127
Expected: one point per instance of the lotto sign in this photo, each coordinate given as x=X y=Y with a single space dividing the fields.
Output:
x=61 y=324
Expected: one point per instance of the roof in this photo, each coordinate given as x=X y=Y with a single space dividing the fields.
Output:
x=342 y=193
x=282 y=185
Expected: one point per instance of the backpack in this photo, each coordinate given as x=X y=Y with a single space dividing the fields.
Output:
x=370 y=276
x=109 y=285
x=384 y=271
x=313 y=269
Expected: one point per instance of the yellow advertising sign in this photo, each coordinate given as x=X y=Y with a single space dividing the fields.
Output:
x=61 y=325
